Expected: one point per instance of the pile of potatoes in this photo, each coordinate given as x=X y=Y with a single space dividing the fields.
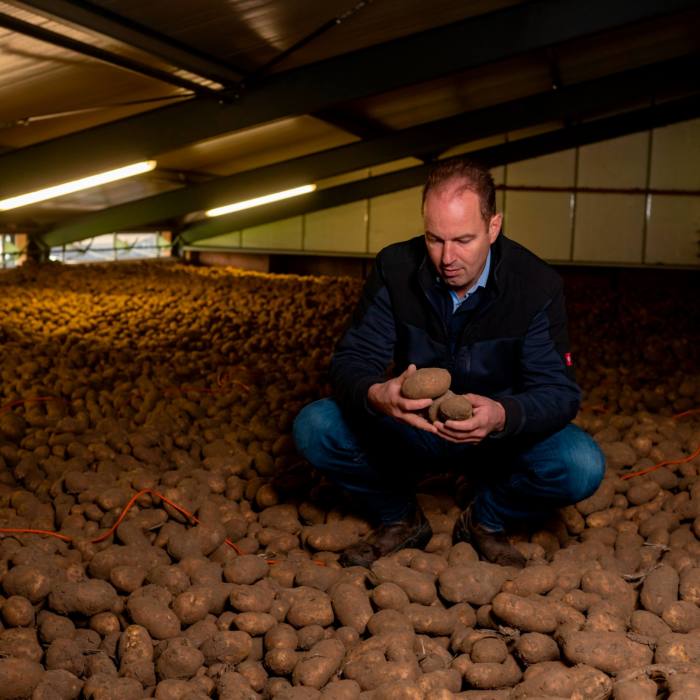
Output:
x=182 y=383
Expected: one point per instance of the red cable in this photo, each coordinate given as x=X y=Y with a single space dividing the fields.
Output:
x=22 y=530
x=686 y=413
x=8 y=406
x=120 y=519
x=641 y=472
x=163 y=498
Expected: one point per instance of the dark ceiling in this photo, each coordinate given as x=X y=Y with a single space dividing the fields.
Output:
x=235 y=98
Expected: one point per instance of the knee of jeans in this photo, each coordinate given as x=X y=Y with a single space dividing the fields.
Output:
x=586 y=469
x=313 y=428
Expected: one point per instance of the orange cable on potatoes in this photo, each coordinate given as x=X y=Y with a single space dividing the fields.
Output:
x=163 y=498
x=18 y=402
x=30 y=531
x=686 y=413
x=120 y=519
x=641 y=472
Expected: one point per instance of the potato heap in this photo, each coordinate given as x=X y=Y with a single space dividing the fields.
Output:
x=180 y=384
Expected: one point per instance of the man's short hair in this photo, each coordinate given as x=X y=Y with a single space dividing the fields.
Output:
x=474 y=176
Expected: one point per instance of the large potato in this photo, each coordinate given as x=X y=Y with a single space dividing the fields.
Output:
x=426 y=383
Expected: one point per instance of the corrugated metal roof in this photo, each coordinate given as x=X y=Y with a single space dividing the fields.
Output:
x=47 y=91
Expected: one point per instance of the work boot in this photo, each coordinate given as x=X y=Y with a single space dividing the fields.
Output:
x=493 y=546
x=413 y=531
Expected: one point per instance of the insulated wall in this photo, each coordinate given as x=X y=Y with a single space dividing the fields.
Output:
x=634 y=200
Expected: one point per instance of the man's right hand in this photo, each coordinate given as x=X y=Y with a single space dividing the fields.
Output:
x=386 y=397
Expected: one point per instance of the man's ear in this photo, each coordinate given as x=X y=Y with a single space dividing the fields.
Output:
x=495 y=226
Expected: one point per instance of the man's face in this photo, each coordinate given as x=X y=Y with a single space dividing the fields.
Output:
x=456 y=235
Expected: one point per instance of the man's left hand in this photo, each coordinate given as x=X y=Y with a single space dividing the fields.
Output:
x=489 y=416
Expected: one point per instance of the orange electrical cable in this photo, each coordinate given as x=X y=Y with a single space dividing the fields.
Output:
x=18 y=402
x=686 y=413
x=120 y=519
x=29 y=531
x=641 y=472
x=163 y=498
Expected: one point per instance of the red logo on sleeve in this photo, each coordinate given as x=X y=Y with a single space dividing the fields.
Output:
x=567 y=359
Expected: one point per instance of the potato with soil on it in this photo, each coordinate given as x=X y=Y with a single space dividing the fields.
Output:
x=493 y=675
x=101 y=686
x=351 y=606
x=534 y=648
x=310 y=607
x=430 y=619
x=456 y=407
x=17 y=611
x=58 y=685
x=136 y=655
x=66 y=655
x=426 y=383
x=19 y=677
x=675 y=648
x=610 y=652
x=319 y=664
x=31 y=582
x=86 y=597
x=331 y=537
x=246 y=569
x=660 y=589
x=151 y=613
x=229 y=647
x=418 y=586
x=474 y=582
x=526 y=614
x=180 y=660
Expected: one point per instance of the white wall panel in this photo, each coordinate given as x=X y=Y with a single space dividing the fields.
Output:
x=609 y=228
x=554 y=170
x=279 y=235
x=541 y=221
x=673 y=230
x=394 y=217
x=616 y=163
x=675 y=156
x=226 y=240
x=339 y=229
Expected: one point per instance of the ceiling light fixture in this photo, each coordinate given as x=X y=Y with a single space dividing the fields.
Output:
x=84 y=183
x=259 y=201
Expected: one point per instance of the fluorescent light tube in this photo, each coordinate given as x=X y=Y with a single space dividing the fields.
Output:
x=85 y=183
x=259 y=201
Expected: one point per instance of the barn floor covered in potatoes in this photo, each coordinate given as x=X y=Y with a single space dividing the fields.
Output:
x=179 y=385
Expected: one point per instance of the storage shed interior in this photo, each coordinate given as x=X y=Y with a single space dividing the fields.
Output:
x=160 y=536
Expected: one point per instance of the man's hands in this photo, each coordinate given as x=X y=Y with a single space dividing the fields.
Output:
x=489 y=416
x=386 y=397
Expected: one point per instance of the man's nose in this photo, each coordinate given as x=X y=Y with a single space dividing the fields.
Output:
x=447 y=253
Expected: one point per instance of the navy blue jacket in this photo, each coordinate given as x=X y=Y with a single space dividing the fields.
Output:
x=509 y=343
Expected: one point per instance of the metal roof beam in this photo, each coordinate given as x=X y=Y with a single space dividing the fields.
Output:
x=551 y=142
x=103 y=21
x=569 y=103
x=37 y=32
x=409 y=60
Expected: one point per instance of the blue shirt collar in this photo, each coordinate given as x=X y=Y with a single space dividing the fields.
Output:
x=481 y=282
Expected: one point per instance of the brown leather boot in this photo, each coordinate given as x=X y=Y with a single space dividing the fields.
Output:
x=414 y=531
x=493 y=546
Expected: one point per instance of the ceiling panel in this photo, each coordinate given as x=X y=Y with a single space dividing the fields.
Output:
x=249 y=33
x=261 y=145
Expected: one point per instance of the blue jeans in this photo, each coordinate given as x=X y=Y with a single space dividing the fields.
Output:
x=379 y=461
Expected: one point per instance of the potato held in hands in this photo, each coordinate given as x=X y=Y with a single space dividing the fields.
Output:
x=455 y=407
x=426 y=383
x=434 y=383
